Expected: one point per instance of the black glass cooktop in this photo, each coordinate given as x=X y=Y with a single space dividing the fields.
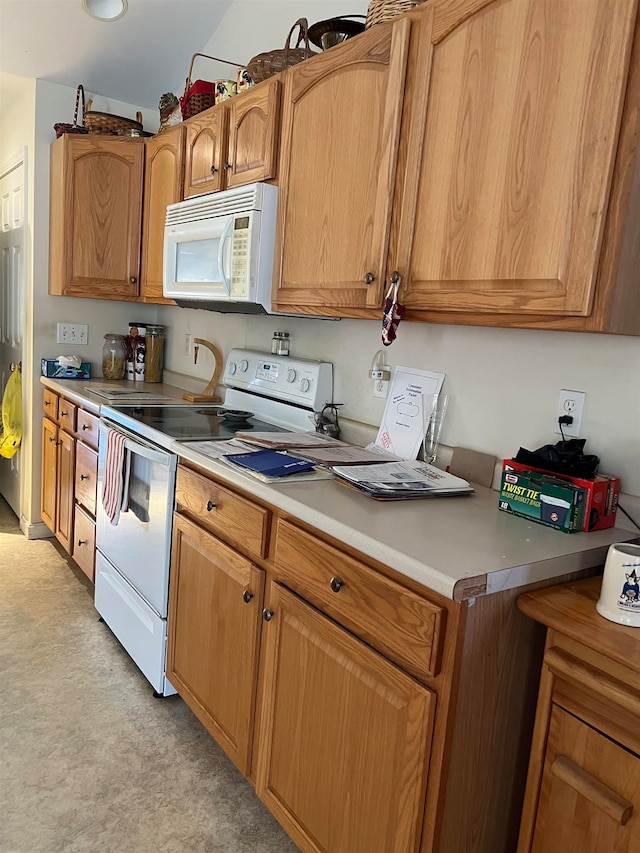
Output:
x=189 y=422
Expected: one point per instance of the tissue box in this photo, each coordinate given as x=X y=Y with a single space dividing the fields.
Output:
x=544 y=498
x=602 y=494
x=54 y=370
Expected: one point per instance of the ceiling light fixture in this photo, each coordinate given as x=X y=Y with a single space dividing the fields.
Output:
x=105 y=10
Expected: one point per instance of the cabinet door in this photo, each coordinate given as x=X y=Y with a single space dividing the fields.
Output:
x=163 y=177
x=344 y=737
x=341 y=120
x=590 y=794
x=205 y=149
x=96 y=216
x=254 y=123
x=49 y=473
x=509 y=155
x=64 y=490
x=214 y=631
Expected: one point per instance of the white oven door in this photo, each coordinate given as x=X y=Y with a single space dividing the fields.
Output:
x=139 y=545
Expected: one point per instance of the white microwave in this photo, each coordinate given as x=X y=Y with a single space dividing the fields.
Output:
x=218 y=250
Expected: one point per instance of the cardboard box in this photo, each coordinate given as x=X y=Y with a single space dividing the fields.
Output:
x=602 y=498
x=543 y=498
x=50 y=367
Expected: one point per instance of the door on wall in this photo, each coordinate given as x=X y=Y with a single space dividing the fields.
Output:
x=12 y=308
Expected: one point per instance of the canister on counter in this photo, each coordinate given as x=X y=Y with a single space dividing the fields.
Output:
x=114 y=356
x=154 y=357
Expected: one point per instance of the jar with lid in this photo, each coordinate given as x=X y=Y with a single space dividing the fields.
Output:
x=154 y=357
x=280 y=343
x=114 y=357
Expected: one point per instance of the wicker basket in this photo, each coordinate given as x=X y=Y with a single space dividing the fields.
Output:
x=109 y=124
x=200 y=95
x=265 y=65
x=382 y=10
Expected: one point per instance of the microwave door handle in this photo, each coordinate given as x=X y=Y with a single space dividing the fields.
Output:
x=223 y=242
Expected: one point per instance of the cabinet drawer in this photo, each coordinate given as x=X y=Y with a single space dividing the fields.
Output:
x=84 y=542
x=402 y=625
x=50 y=404
x=67 y=415
x=234 y=518
x=87 y=429
x=86 y=476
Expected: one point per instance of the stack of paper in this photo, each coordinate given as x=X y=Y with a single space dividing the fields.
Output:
x=283 y=440
x=401 y=480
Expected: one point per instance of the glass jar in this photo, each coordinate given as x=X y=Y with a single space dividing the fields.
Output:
x=280 y=343
x=154 y=356
x=114 y=357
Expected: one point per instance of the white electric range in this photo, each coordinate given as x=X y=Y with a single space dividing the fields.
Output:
x=133 y=554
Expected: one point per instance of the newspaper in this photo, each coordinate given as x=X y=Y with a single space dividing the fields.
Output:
x=402 y=480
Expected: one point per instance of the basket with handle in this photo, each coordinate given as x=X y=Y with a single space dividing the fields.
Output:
x=98 y=122
x=382 y=10
x=62 y=127
x=201 y=94
x=265 y=65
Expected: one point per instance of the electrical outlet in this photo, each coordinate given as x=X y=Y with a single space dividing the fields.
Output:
x=570 y=403
x=380 y=388
x=188 y=344
x=73 y=333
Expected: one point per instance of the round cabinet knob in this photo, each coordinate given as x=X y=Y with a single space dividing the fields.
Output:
x=231 y=368
x=132 y=279
x=210 y=506
x=213 y=170
x=305 y=385
x=369 y=278
x=84 y=476
x=267 y=615
x=85 y=426
x=395 y=277
x=244 y=365
x=227 y=165
x=291 y=375
x=63 y=414
x=247 y=596
x=336 y=584
x=82 y=542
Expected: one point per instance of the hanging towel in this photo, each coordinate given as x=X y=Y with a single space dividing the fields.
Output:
x=116 y=475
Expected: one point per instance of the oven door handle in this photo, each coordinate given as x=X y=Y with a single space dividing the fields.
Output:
x=136 y=445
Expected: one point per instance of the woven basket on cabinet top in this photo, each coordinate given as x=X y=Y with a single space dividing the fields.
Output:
x=98 y=122
x=265 y=65
x=382 y=10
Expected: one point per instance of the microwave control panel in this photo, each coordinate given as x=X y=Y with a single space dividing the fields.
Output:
x=240 y=249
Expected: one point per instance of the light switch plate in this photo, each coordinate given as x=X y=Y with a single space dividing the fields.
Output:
x=73 y=333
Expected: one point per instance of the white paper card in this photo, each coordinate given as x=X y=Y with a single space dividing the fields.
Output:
x=403 y=422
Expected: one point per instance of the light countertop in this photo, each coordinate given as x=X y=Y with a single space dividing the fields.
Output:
x=76 y=391
x=460 y=547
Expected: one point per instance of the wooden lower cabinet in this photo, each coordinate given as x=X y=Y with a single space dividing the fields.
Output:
x=84 y=542
x=345 y=736
x=583 y=788
x=66 y=477
x=214 y=631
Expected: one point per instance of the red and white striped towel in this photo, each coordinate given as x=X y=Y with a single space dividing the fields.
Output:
x=116 y=475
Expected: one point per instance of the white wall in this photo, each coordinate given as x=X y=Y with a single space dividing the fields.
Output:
x=503 y=384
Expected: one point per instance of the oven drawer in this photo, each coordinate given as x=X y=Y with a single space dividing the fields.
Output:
x=136 y=625
x=235 y=519
x=399 y=623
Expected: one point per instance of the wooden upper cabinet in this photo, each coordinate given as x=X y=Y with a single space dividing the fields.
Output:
x=235 y=142
x=96 y=215
x=340 y=128
x=163 y=178
x=510 y=140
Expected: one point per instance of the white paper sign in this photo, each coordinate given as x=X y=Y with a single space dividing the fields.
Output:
x=407 y=411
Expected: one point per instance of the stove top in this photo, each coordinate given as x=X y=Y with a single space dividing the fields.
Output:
x=184 y=422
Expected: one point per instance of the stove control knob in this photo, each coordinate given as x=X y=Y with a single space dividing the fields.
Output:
x=291 y=375
x=231 y=368
x=244 y=365
x=305 y=385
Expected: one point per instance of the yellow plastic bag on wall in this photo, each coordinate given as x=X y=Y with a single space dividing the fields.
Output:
x=11 y=434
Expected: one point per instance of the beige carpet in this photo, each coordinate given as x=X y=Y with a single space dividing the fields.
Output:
x=89 y=760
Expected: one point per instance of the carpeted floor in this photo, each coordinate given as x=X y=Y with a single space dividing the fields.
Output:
x=89 y=760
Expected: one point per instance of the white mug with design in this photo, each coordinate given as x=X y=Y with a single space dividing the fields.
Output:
x=620 y=594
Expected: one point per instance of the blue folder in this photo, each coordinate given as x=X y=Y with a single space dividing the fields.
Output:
x=271 y=463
